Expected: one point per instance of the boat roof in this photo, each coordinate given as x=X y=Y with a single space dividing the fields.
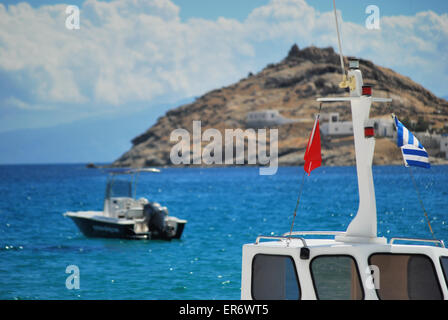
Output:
x=300 y=240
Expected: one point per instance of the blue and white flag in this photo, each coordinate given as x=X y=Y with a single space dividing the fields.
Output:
x=414 y=154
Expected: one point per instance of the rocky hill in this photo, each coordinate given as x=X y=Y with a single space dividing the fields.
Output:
x=291 y=87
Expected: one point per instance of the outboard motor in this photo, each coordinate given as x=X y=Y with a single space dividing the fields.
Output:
x=155 y=216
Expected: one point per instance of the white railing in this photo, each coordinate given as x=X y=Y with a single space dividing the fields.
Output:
x=294 y=235
x=436 y=241
x=315 y=233
x=298 y=235
x=280 y=238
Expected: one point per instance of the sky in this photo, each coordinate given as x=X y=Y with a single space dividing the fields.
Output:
x=353 y=10
x=132 y=55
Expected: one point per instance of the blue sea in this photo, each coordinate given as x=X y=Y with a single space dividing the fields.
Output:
x=225 y=208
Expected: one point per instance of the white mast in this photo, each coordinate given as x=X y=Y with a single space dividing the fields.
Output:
x=363 y=227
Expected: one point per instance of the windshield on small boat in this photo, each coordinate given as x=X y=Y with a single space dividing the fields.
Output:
x=118 y=188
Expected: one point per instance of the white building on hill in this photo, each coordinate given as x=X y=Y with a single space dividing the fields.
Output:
x=266 y=118
x=333 y=127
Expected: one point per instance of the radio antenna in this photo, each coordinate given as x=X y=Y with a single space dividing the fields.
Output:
x=341 y=57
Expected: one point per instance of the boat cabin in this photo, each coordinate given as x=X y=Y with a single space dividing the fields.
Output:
x=298 y=268
x=355 y=264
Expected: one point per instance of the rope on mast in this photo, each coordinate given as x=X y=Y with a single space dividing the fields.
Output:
x=416 y=188
x=303 y=180
x=297 y=203
x=421 y=203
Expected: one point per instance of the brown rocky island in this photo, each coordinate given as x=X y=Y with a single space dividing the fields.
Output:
x=291 y=88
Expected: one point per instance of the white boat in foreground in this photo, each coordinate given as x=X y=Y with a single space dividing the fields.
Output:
x=355 y=264
x=126 y=217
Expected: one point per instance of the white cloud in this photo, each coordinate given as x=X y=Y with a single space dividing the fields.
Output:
x=140 y=50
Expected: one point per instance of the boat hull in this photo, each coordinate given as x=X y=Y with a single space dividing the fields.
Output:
x=99 y=229
x=95 y=228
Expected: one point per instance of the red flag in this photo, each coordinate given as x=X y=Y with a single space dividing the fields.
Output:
x=313 y=157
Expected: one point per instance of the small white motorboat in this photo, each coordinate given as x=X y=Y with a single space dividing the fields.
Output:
x=126 y=217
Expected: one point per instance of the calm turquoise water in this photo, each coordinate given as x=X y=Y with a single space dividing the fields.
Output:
x=225 y=208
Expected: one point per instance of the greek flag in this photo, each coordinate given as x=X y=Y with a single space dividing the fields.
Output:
x=414 y=154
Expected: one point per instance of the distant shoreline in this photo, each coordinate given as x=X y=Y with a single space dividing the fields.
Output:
x=110 y=166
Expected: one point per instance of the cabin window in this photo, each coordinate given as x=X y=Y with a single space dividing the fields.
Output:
x=274 y=277
x=336 y=278
x=406 y=277
x=444 y=263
